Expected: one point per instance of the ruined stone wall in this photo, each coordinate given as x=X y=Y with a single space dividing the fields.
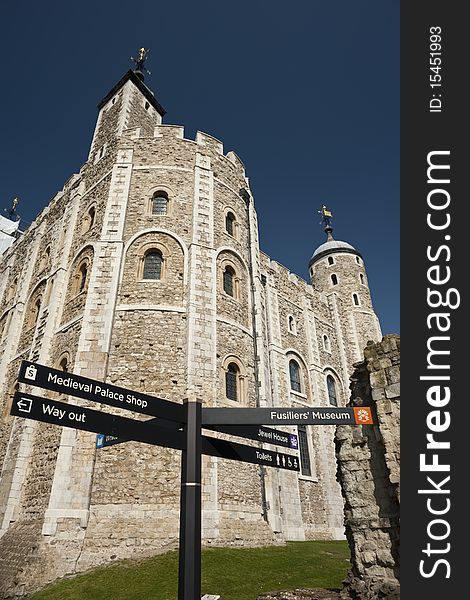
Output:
x=368 y=471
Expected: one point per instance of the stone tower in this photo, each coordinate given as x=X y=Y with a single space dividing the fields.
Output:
x=338 y=272
x=145 y=271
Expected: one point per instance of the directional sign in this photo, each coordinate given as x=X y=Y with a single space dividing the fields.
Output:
x=259 y=434
x=103 y=440
x=79 y=417
x=251 y=432
x=97 y=391
x=287 y=416
x=251 y=454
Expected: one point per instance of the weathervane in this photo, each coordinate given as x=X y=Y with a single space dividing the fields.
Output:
x=11 y=212
x=139 y=62
x=327 y=215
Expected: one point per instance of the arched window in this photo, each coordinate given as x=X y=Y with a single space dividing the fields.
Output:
x=64 y=364
x=89 y=219
x=160 y=203
x=334 y=279
x=12 y=289
x=82 y=277
x=91 y=216
x=33 y=317
x=153 y=263
x=294 y=375
x=331 y=260
x=358 y=260
x=331 y=387
x=45 y=259
x=304 y=451
x=361 y=278
x=232 y=376
x=291 y=322
x=355 y=299
x=326 y=343
x=229 y=281
x=229 y=223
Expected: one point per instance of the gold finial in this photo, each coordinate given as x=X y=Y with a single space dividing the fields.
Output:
x=11 y=212
x=139 y=62
x=326 y=214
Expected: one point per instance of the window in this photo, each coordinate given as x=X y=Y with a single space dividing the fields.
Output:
x=358 y=260
x=82 y=277
x=91 y=216
x=45 y=259
x=229 y=221
x=361 y=278
x=152 y=265
x=334 y=279
x=305 y=465
x=160 y=203
x=12 y=289
x=33 y=317
x=331 y=260
x=64 y=364
x=355 y=299
x=294 y=375
x=153 y=262
x=291 y=322
x=330 y=384
x=229 y=276
x=232 y=376
x=326 y=343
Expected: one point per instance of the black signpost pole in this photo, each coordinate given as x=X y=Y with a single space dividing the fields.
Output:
x=189 y=577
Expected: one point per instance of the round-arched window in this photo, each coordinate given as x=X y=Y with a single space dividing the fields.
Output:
x=232 y=376
x=160 y=203
x=294 y=376
x=331 y=387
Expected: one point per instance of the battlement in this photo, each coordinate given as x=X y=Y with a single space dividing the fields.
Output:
x=204 y=139
x=169 y=131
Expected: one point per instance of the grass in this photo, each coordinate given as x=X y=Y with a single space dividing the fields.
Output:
x=234 y=573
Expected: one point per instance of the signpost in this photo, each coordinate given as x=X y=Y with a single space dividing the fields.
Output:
x=178 y=427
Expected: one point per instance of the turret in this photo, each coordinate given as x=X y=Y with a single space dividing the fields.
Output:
x=337 y=268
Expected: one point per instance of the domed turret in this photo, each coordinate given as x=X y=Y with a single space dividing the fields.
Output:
x=337 y=271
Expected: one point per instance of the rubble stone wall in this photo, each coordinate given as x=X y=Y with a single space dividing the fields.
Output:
x=368 y=471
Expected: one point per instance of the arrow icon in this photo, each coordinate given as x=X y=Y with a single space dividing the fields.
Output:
x=24 y=405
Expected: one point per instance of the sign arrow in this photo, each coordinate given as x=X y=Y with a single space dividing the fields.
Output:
x=24 y=405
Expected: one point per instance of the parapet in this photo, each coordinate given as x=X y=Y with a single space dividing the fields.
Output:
x=204 y=139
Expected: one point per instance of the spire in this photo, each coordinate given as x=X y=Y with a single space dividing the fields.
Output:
x=140 y=69
x=327 y=215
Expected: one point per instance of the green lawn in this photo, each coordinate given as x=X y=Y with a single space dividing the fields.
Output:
x=235 y=574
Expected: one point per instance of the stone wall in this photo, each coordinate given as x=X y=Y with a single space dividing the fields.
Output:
x=368 y=470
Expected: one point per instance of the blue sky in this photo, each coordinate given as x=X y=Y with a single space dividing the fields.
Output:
x=306 y=93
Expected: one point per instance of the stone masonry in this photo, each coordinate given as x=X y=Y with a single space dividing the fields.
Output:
x=368 y=471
